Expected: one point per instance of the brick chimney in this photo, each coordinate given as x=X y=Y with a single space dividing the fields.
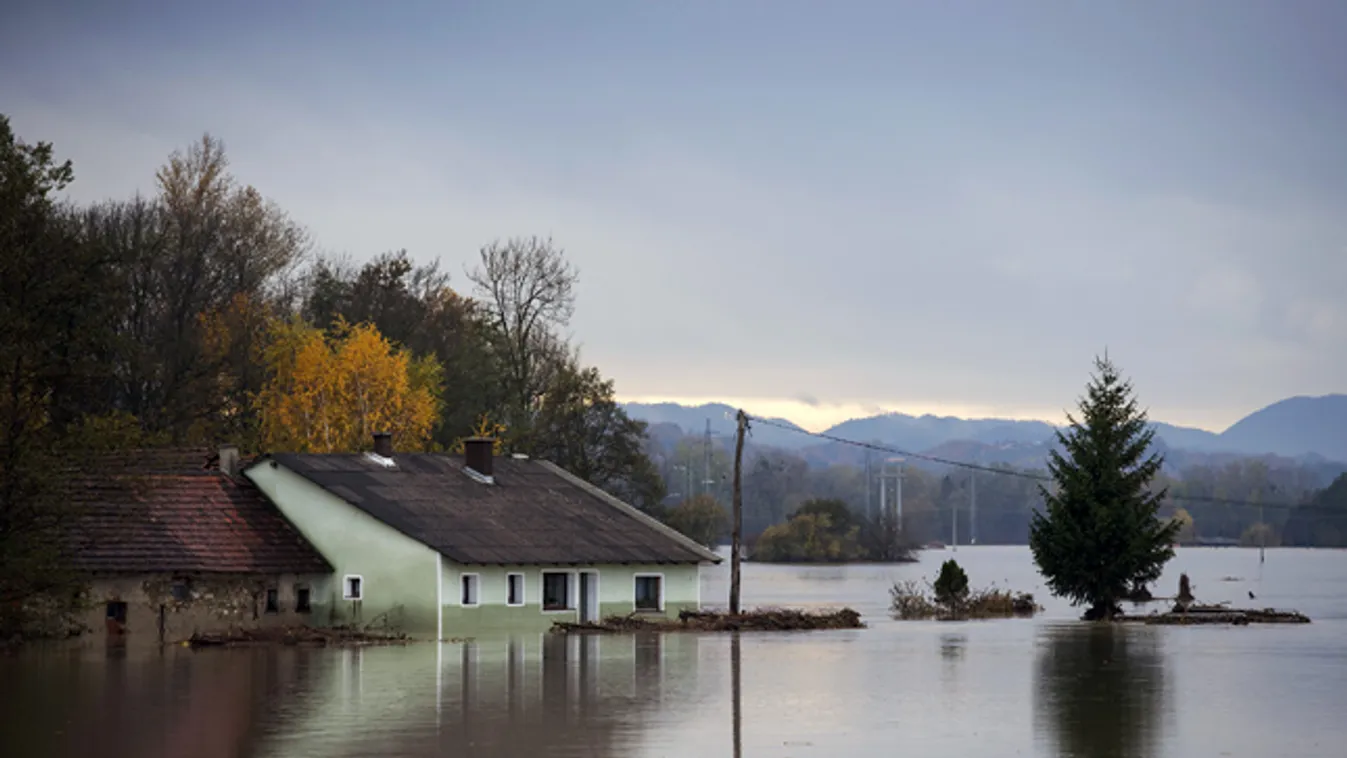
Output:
x=477 y=454
x=383 y=444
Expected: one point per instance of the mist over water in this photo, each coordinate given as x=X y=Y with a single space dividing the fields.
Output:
x=1050 y=686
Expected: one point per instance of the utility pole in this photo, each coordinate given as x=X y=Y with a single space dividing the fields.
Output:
x=973 y=508
x=954 y=525
x=883 y=491
x=706 y=458
x=898 y=484
x=687 y=479
x=891 y=518
x=869 y=502
x=1262 y=527
x=737 y=536
x=1262 y=535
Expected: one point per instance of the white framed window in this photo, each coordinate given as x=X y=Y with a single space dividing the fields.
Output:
x=514 y=589
x=557 y=590
x=649 y=594
x=353 y=587
x=468 y=590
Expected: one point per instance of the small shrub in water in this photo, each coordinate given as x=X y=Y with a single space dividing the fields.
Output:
x=951 y=587
x=910 y=602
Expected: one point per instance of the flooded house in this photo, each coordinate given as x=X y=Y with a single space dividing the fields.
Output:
x=176 y=542
x=447 y=546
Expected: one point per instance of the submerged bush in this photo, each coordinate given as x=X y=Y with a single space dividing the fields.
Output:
x=951 y=587
x=910 y=600
x=827 y=531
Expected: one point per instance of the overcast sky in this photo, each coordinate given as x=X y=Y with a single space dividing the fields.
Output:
x=811 y=208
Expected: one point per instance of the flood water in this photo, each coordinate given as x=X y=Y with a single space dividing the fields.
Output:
x=1044 y=687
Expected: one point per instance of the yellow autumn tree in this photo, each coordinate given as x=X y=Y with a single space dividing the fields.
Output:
x=488 y=429
x=330 y=392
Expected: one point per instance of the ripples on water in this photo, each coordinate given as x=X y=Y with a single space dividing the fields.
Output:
x=1047 y=687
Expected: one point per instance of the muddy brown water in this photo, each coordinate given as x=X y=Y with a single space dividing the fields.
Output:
x=1044 y=687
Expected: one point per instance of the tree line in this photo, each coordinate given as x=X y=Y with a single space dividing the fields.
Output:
x=201 y=314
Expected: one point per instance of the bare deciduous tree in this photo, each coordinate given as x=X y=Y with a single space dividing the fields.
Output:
x=528 y=287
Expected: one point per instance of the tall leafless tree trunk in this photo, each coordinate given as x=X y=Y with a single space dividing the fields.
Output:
x=529 y=288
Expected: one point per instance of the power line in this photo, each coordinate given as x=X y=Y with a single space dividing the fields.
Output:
x=993 y=469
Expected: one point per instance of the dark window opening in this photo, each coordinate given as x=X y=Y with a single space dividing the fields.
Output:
x=514 y=589
x=117 y=611
x=556 y=592
x=273 y=600
x=301 y=599
x=648 y=593
x=181 y=590
x=354 y=588
x=469 y=589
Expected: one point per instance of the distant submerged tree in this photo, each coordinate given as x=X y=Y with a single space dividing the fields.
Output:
x=580 y=426
x=701 y=518
x=1101 y=536
x=1187 y=531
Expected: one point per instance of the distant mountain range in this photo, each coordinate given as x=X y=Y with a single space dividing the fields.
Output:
x=1298 y=427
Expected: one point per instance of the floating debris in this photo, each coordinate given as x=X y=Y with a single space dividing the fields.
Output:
x=714 y=621
x=296 y=635
x=1220 y=614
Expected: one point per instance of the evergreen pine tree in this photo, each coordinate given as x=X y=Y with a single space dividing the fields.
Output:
x=1100 y=535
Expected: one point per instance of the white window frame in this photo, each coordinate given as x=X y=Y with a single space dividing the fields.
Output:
x=572 y=590
x=476 y=589
x=635 y=579
x=523 y=590
x=346 y=587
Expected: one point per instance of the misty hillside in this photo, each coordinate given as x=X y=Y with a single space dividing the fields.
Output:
x=923 y=432
x=692 y=420
x=1293 y=428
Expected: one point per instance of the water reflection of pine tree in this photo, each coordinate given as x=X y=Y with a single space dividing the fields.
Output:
x=1100 y=690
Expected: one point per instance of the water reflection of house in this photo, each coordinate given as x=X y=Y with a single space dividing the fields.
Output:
x=455 y=547
x=175 y=544
x=542 y=694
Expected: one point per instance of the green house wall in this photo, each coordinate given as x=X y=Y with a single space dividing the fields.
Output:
x=398 y=574
x=617 y=596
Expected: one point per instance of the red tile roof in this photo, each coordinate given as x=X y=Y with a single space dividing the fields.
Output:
x=172 y=510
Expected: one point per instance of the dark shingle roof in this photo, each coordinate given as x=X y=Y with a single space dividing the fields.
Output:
x=150 y=511
x=533 y=514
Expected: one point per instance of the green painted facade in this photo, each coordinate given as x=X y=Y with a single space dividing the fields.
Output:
x=410 y=587
x=397 y=574
x=681 y=587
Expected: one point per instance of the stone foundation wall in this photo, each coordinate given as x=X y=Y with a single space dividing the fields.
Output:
x=171 y=608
